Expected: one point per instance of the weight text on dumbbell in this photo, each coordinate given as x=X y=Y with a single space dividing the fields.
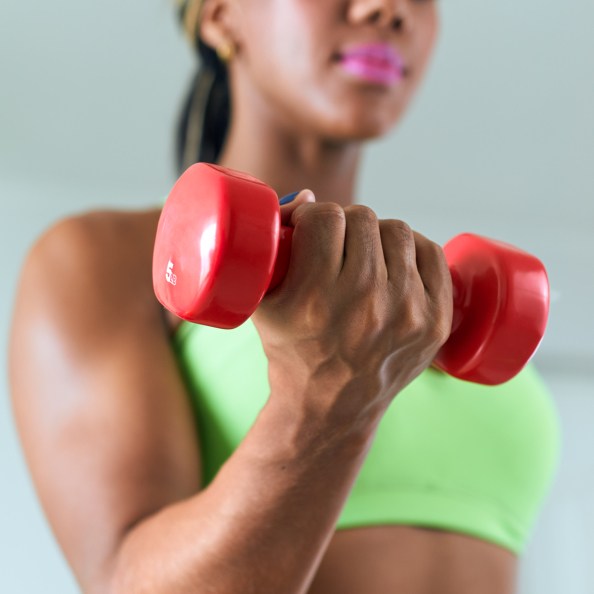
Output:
x=169 y=276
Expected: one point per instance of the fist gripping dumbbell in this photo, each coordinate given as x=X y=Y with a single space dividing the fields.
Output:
x=220 y=247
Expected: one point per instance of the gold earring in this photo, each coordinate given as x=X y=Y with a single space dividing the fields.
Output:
x=226 y=52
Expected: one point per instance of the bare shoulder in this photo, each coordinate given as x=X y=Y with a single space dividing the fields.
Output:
x=101 y=258
x=100 y=234
x=90 y=274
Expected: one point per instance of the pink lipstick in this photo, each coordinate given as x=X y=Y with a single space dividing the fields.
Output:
x=374 y=62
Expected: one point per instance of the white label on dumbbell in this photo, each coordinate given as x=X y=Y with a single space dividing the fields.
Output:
x=169 y=276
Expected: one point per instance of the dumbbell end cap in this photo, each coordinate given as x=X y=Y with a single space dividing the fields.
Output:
x=502 y=306
x=216 y=245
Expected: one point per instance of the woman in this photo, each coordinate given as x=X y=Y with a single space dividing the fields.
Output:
x=274 y=458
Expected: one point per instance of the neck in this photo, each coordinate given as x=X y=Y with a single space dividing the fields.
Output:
x=264 y=147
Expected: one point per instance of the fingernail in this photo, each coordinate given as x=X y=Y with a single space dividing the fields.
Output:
x=288 y=198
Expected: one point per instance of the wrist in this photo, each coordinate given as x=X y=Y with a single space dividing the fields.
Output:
x=319 y=418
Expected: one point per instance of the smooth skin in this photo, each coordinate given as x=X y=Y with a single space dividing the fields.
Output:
x=104 y=417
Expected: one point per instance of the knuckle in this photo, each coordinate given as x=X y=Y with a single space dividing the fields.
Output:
x=422 y=325
x=398 y=230
x=364 y=286
x=436 y=254
x=433 y=248
x=328 y=213
x=412 y=318
x=315 y=311
x=329 y=209
x=360 y=214
x=439 y=255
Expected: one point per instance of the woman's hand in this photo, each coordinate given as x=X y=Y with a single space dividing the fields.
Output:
x=364 y=308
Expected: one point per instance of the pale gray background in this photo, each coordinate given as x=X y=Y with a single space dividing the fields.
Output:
x=500 y=141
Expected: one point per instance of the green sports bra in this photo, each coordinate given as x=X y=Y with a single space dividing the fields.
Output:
x=447 y=454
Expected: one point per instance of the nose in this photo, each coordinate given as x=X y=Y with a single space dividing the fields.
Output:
x=392 y=14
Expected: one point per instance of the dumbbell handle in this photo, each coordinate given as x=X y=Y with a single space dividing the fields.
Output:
x=283 y=257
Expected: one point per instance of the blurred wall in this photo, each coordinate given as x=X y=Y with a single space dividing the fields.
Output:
x=500 y=141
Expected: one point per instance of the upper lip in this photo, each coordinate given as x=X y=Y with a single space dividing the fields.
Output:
x=382 y=52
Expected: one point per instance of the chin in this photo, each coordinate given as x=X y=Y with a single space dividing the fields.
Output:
x=363 y=126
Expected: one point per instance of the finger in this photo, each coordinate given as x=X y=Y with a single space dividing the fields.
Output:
x=398 y=245
x=286 y=209
x=363 y=255
x=318 y=240
x=433 y=269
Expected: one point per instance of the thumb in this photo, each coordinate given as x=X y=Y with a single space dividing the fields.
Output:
x=290 y=203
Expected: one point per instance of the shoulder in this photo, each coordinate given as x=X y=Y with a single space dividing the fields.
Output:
x=89 y=273
x=102 y=240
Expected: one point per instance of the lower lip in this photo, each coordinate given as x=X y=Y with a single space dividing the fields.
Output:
x=370 y=71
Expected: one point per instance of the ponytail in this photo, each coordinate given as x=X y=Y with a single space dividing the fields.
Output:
x=204 y=118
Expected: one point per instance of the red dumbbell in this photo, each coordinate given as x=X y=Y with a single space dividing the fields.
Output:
x=220 y=247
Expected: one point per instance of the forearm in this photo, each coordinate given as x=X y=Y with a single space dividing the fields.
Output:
x=261 y=526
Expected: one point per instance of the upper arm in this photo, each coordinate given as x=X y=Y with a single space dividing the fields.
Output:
x=103 y=416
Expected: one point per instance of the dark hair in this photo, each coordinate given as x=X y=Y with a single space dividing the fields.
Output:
x=204 y=118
